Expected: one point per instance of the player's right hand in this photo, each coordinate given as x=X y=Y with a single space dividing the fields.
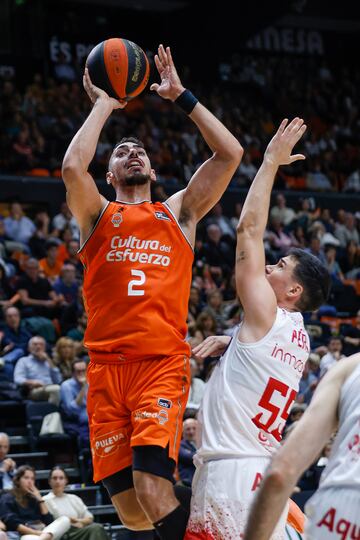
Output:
x=170 y=86
x=95 y=93
x=211 y=346
x=281 y=145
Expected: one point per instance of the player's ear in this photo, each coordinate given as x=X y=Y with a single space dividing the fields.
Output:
x=295 y=291
x=109 y=177
x=153 y=175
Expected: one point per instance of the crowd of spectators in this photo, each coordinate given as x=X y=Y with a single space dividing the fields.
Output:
x=42 y=315
x=43 y=319
x=251 y=95
x=27 y=514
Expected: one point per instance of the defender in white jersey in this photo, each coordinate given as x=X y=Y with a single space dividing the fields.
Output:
x=333 y=512
x=249 y=395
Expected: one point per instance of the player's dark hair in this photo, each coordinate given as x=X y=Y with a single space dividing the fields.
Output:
x=77 y=361
x=314 y=278
x=130 y=139
x=58 y=468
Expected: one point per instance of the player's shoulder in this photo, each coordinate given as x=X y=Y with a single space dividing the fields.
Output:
x=344 y=368
x=350 y=364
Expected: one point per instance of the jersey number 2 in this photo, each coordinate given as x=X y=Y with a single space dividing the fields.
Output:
x=140 y=280
x=274 y=425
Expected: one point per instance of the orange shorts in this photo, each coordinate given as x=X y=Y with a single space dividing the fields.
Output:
x=135 y=404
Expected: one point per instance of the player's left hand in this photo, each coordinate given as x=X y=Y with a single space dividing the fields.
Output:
x=170 y=86
x=96 y=93
x=281 y=145
x=211 y=346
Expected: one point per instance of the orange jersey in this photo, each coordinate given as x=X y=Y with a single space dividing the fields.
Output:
x=50 y=271
x=63 y=254
x=137 y=277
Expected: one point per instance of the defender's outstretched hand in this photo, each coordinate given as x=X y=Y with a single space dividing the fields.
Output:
x=170 y=86
x=211 y=346
x=96 y=93
x=281 y=145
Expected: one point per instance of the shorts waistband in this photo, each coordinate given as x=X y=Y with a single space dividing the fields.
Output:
x=119 y=358
x=207 y=459
x=115 y=358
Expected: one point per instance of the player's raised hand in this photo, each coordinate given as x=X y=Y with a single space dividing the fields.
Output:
x=281 y=145
x=96 y=93
x=170 y=86
x=211 y=346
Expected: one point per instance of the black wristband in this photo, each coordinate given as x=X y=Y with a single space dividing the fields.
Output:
x=186 y=101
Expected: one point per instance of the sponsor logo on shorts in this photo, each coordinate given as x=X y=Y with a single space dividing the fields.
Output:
x=116 y=219
x=165 y=403
x=107 y=444
x=161 y=416
x=162 y=215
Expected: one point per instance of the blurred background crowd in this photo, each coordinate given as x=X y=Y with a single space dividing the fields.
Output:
x=250 y=95
x=315 y=206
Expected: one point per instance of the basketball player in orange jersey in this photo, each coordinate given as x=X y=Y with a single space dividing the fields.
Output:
x=138 y=265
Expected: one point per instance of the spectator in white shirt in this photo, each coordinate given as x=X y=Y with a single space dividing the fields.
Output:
x=333 y=355
x=61 y=503
x=65 y=219
x=282 y=212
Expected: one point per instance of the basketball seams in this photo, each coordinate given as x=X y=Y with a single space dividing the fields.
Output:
x=116 y=63
x=138 y=74
x=97 y=69
x=119 y=67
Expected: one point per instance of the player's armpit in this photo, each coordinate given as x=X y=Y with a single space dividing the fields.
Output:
x=84 y=201
x=185 y=215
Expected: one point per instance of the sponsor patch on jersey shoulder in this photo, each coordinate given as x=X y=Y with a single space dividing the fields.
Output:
x=166 y=403
x=162 y=215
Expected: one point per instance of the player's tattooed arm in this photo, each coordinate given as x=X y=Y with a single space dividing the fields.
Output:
x=241 y=256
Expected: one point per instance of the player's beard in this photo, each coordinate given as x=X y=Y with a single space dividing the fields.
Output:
x=137 y=179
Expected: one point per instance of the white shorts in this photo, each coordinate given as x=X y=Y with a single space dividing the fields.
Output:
x=333 y=514
x=222 y=493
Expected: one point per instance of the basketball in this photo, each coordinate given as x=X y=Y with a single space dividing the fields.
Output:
x=119 y=67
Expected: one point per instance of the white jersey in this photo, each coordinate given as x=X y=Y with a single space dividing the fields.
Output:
x=343 y=468
x=250 y=392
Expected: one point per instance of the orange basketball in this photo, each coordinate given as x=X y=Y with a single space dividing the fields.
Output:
x=119 y=67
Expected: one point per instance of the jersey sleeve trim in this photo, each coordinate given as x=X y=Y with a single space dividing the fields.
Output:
x=178 y=224
x=95 y=225
x=133 y=203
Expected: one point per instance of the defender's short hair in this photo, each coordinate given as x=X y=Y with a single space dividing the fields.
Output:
x=314 y=278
